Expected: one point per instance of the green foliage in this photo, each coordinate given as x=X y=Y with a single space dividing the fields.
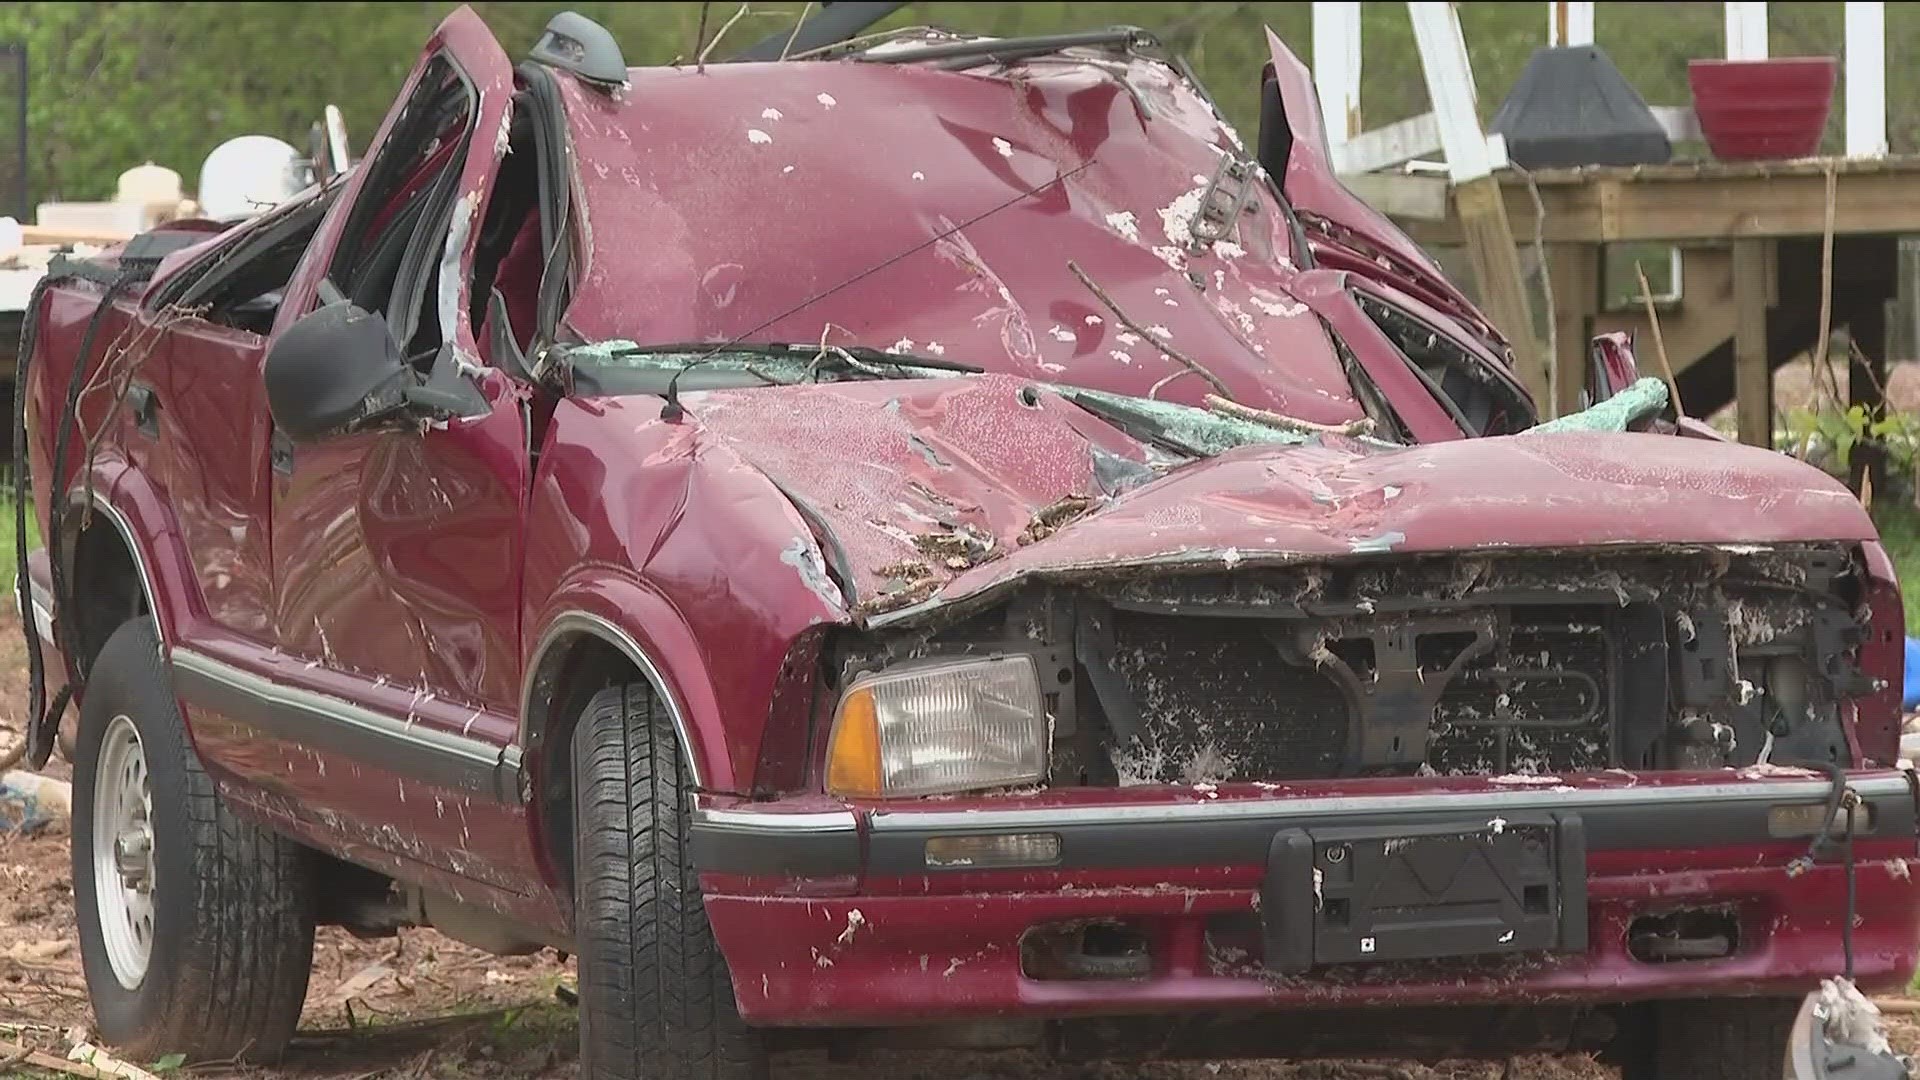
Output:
x=1828 y=436
x=115 y=84
x=1899 y=525
x=9 y=561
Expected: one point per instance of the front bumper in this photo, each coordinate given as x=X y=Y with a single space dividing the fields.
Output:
x=831 y=916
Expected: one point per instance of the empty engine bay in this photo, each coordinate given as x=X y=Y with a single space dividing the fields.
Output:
x=1494 y=664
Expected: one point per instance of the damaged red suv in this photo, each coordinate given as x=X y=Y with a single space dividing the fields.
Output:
x=929 y=536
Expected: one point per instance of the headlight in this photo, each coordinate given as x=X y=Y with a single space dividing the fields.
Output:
x=933 y=728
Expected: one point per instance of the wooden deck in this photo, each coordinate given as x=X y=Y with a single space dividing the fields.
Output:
x=1751 y=236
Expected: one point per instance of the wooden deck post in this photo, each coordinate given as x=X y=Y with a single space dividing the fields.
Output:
x=1752 y=378
x=1866 y=85
x=1575 y=269
x=1336 y=72
x=1476 y=192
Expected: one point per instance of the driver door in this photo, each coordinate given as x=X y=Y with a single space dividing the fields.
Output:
x=396 y=550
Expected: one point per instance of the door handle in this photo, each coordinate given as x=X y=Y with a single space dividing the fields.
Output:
x=145 y=407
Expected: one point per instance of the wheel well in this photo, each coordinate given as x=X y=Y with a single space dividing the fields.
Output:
x=570 y=672
x=102 y=584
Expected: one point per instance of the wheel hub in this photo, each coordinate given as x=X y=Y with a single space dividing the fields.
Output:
x=133 y=854
x=123 y=863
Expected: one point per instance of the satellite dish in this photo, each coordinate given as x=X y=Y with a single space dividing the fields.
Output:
x=249 y=175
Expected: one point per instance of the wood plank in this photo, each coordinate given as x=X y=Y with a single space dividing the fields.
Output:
x=1389 y=145
x=1503 y=288
x=1611 y=208
x=54 y=234
x=1575 y=269
x=1753 y=380
x=1449 y=74
x=1410 y=198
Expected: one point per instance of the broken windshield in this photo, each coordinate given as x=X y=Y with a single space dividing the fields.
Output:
x=623 y=367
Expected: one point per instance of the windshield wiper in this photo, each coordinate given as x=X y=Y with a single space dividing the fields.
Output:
x=625 y=367
x=813 y=356
x=866 y=354
x=962 y=54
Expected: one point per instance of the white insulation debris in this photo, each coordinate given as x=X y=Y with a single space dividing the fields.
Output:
x=1849 y=1017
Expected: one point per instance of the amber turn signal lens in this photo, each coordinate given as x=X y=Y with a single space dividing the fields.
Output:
x=1806 y=820
x=853 y=753
x=936 y=727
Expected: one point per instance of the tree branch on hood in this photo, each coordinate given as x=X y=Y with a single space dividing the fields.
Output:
x=1352 y=428
x=1165 y=348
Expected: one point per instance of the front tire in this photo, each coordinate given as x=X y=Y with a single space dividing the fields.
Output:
x=656 y=1000
x=195 y=931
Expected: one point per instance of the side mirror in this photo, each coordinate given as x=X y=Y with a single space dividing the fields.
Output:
x=1611 y=367
x=333 y=371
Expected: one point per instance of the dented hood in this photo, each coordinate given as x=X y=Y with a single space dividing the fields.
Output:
x=935 y=491
x=942 y=213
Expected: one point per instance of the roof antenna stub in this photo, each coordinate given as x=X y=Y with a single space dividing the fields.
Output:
x=572 y=42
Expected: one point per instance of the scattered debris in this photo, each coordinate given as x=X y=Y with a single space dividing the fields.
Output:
x=37 y=954
x=1051 y=519
x=30 y=802
x=358 y=983
x=909 y=583
x=961 y=547
x=855 y=921
x=92 y=1061
x=1849 y=1017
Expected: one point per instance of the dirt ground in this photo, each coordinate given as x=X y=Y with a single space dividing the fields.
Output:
x=420 y=1006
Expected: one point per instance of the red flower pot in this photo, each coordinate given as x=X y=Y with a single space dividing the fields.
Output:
x=1758 y=110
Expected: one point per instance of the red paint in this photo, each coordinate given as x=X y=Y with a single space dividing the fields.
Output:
x=1345 y=232
x=791 y=968
x=1762 y=110
x=1613 y=365
x=413 y=572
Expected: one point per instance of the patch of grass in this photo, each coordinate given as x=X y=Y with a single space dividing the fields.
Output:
x=1899 y=526
x=8 y=541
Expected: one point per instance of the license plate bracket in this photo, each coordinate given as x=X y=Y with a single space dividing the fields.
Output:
x=1425 y=890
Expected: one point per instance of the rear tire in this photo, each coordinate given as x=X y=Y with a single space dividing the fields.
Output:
x=1713 y=1039
x=656 y=1000
x=195 y=930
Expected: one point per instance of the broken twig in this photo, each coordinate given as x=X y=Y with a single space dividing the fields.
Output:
x=1826 y=283
x=700 y=32
x=1351 y=429
x=1659 y=343
x=1165 y=348
x=701 y=60
x=100 y=1066
x=797 y=24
